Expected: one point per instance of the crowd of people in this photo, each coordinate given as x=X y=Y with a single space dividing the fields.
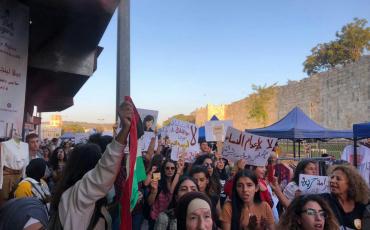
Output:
x=66 y=186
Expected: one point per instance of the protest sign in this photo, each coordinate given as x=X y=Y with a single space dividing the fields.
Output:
x=312 y=184
x=149 y=119
x=81 y=138
x=183 y=137
x=216 y=130
x=242 y=145
x=14 y=26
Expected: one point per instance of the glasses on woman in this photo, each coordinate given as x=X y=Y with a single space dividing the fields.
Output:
x=313 y=212
x=170 y=168
x=207 y=165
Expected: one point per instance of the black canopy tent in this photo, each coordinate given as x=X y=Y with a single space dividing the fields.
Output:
x=296 y=126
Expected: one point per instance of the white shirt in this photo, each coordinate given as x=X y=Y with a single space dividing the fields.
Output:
x=13 y=155
x=363 y=160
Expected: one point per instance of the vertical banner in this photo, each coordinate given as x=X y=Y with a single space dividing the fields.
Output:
x=184 y=140
x=14 y=26
x=242 y=145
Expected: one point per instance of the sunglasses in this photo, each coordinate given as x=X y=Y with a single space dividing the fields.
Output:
x=208 y=165
x=313 y=212
x=170 y=168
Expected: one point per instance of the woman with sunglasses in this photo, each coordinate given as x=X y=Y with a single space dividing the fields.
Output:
x=207 y=162
x=161 y=191
x=309 y=212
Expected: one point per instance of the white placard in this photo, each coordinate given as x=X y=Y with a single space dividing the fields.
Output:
x=242 y=145
x=184 y=140
x=81 y=138
x=14 y=26
x=216 y=130
x=312 y=184
x=146 y=139
x=149 y=119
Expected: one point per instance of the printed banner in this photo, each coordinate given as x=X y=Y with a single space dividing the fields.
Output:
x=184 y=140
x=14 y=26
x=216 y=130
x=242 y=145
x=312 y=184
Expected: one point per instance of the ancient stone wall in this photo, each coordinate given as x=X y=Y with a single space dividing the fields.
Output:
x=335 y=99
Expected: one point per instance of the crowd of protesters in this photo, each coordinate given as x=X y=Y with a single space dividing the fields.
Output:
x=67 y=186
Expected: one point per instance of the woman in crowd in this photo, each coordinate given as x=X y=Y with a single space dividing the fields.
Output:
x=308 y=212
x=34 y=185
x=239 y=166
x=57 y=162
x=348 y=196
x=246 y=209
x=46 y=153
x=194 y=211
x=88 y=176
x=304 y=167
x=167 y=219
x=207 y=162
x=222 y=174
x=161 y=191
x=201 y=176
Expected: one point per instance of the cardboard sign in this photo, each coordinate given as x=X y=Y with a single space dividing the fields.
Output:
x=183 y=137
x=216 y=130
x=312 y=184
x=14 y=30
x=242 y=145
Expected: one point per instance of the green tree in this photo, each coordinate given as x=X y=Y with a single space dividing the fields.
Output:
x=72 y=128
x=182 y=117
x=352 y=41
x=259 y=101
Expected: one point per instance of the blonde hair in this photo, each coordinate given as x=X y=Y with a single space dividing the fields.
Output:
x=357 y=187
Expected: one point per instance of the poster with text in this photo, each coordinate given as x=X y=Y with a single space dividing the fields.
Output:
x=242 y=145
x=149 y=119
x=312 y=184
x=14 y=26
x=183 y=137
x=216 y=130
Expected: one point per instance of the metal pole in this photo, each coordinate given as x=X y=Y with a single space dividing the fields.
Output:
x=294 y=148
x=123 y=52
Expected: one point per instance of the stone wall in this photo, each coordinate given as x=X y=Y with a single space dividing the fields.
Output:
x=335 y=99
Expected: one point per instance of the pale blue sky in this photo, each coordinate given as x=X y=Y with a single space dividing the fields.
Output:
x=185 y=54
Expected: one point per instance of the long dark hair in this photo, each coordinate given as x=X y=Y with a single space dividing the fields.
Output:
x=289 y=218
x=176 y=190
x=200 y=169
x=82 y=159
x=237 y=202
x=215 y=186
x=163 y=181
x=182 y=209
x=300 y=169
x=54 y=158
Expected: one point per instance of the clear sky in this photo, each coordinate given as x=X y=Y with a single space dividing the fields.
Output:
x=185 y=54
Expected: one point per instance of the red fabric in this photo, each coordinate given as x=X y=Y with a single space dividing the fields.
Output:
x=228 y=188
x=265 y=195
x=126 y=221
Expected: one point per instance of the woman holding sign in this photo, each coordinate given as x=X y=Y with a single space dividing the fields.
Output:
x=348 y=196
x=246 y=209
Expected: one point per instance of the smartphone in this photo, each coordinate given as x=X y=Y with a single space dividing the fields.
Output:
x=156 y=176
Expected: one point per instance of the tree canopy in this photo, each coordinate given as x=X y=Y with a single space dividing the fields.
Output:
x=350 y=44
x=182 y=117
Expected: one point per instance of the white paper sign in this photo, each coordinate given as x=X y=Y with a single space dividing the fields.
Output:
x=184 y=140
x=146 y=139
x=312 y=184
x=242 y=145
x=81 y=138
x=216 y=130
x=14 y=26
x=149 y=119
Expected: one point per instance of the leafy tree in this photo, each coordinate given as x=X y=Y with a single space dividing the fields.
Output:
x=352 y=41
x=182 y=117
x=259 y=102
x=72 y=128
